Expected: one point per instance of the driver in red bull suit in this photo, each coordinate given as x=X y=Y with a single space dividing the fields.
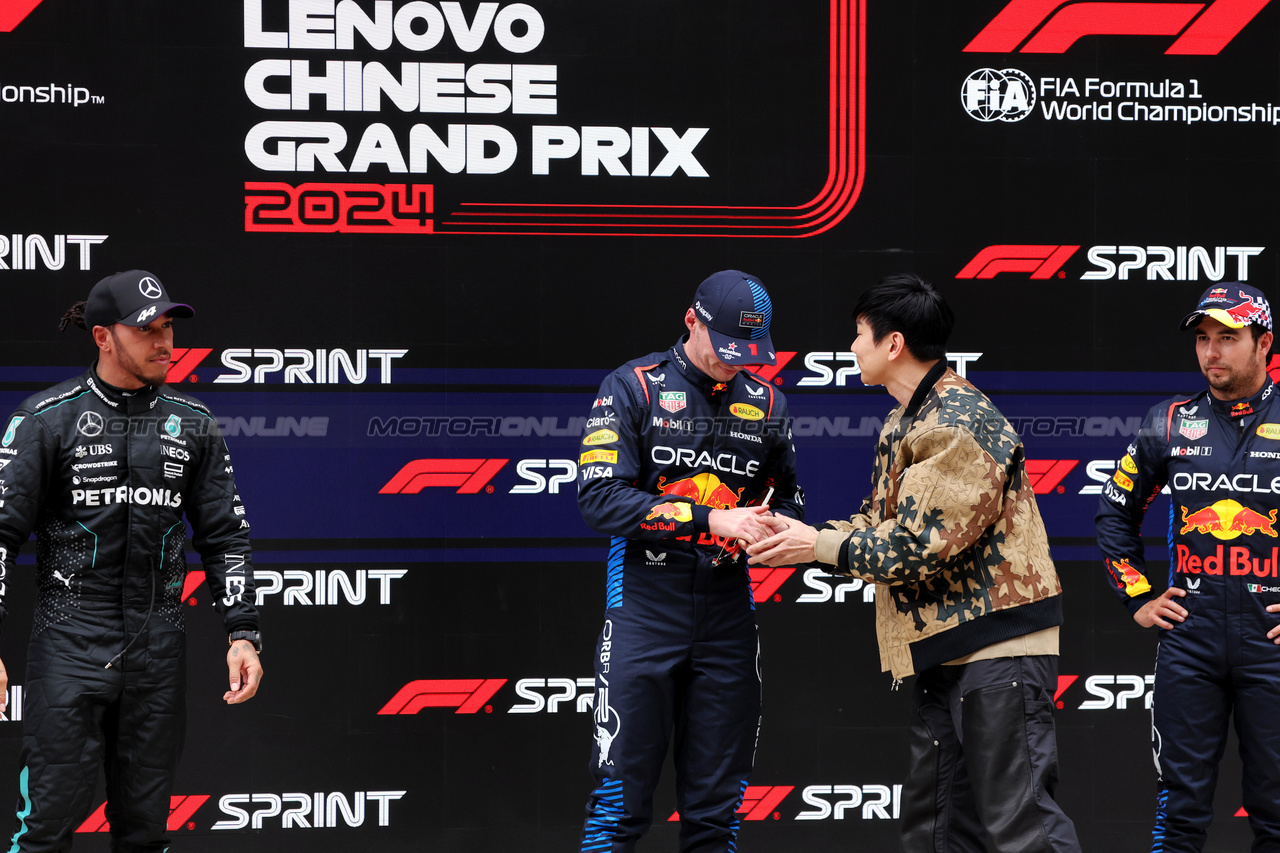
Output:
x=681 y=449
x=1219 y=453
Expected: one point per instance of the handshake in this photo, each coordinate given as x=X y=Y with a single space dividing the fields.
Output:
x=770 y=540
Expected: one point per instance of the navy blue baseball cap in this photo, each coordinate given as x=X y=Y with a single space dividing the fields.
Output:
x=1232 y=304
x=134 y=298
x=736 y=310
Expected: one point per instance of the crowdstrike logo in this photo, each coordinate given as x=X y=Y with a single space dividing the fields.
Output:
x=1037 y=26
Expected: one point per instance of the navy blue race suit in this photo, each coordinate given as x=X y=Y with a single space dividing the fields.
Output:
x=664 y=445
x=103 y=477
x=1221 y=461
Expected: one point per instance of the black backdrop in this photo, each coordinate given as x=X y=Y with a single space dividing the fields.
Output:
x=442 y=294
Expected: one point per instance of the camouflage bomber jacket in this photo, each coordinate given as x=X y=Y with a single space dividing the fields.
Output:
x=951 y=531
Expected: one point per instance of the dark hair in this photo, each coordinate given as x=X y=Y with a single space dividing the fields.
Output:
x=908 y=304
x=74 y=315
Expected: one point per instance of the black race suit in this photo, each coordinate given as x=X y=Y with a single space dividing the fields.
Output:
x=103 y=478
x=1221 y=462
x=665 y=445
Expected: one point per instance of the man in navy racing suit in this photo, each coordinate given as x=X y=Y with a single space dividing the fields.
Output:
x=681 y=453
x=103 y=468
x=1219 y=453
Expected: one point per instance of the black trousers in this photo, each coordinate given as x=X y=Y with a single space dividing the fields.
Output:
x=129 y=719
x=984 y=760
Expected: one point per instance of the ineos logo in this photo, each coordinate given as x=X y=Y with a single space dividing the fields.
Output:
x=150 y=288
x=90 y=424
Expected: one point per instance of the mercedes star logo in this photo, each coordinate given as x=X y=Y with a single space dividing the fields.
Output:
x=90 y=424
x=149 y=287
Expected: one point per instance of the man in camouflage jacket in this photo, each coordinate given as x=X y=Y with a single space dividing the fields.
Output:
x=968 y=595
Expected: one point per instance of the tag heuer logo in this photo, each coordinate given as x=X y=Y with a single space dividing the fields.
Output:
x=672 y=401
x=1194 y=429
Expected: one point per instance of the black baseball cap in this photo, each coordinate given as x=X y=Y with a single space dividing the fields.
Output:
x=134 y=298
x=736 y=310
x=1232 y=304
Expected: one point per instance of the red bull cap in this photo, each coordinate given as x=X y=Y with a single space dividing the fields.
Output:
x=737 y=311
x=1234 y=305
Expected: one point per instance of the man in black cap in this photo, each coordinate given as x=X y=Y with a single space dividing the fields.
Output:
x=1219 y=453
x=102 y=468
x=683 y=453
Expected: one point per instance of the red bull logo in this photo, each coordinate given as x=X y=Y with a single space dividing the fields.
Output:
x=1241 y=409
x=1239 y=561
x=1127 y=578
x=1250 y=311
x=705 y=489
x=672 y=510
x=1227 y=520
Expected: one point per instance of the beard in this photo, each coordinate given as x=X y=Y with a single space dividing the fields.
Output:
x=1233 y=384
x=148 y=373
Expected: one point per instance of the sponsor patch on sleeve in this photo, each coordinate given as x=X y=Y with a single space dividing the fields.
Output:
x=608 y=457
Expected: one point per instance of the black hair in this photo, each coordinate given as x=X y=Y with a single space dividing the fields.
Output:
x=906 y=303
x=74 y=316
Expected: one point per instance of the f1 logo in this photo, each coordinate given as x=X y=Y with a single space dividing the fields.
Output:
x=765 y=582
x=184 y=360
x=180 y=811
x=1202 y=29
x=758 y=801
x=1045 y=474
x=13 y=12
x=769 y=372
x=468 y=695
x=1042 y=261
x=468 y=475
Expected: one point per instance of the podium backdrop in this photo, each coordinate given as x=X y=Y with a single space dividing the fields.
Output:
x=418 y=235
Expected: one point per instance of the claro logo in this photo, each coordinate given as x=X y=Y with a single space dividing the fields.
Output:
x=1046 y=26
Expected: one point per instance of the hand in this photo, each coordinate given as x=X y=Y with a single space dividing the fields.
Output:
x=1158 y=611
x=244 y=670
x=1273 y=634
x=745 y=523
x=791 y=543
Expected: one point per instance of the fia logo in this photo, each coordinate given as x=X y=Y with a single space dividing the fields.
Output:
x=991 y=95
